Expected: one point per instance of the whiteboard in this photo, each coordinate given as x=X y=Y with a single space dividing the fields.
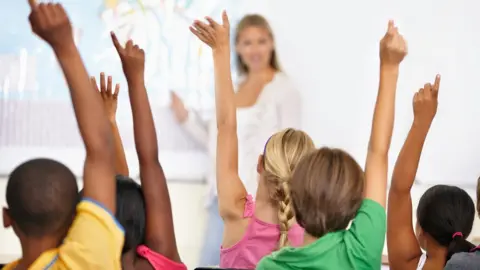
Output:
x=36 y=117
x=330 y=48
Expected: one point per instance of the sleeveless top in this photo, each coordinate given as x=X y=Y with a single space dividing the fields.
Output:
x=157 y=260
x=259 y=240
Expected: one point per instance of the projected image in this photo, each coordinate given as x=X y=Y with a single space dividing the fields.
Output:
x=35 y=109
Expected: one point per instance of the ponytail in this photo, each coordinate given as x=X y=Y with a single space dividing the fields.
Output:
x=457 y=245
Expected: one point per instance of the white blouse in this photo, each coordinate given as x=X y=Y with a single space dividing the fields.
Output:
x=277 y=108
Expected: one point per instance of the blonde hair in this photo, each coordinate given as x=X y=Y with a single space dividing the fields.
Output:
x=283 y=152
x=254 y=20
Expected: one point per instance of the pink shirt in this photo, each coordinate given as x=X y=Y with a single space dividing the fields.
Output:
x=260 y=239
x=158 y=261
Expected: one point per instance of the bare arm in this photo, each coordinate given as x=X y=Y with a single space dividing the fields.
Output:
x=392 y=51
x=50 y=22
x=403 y=249
x=231 y=192
x=160 y=234
x=110 y=99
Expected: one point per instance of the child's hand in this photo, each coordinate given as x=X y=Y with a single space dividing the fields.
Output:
x=133 y=60
x=109 y=98
x=393 y=47
x=213 y=34
x=425 y=103
x=50 y=22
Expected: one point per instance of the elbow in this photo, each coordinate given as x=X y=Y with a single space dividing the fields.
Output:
x=99 y=143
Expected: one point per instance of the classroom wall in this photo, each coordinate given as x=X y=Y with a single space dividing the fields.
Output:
x=189 y=219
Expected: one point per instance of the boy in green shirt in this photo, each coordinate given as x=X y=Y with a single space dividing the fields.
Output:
x=329 y=189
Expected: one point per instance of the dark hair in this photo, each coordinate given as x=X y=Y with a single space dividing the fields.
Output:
x=131 y=212
x=41 y=197
x=327 y=191
x=447 y=213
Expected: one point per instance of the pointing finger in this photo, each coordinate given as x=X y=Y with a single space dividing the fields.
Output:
x=102 y=82
x=116 y=43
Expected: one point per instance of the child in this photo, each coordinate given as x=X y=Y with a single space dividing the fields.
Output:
x=41 y=194
x=445 y=214
x=329 y=189
x=466 y=260
x=252 y=230
x=144 y=211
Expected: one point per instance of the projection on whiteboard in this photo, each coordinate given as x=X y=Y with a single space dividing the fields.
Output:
x=35 y=108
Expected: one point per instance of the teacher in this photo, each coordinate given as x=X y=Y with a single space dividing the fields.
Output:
x=266 y=103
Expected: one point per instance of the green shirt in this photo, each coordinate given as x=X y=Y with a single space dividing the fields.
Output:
x=358 y=248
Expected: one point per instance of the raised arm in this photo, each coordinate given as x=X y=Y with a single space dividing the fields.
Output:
x=159 y=234
x=231 y=192
x=393 y=49
x=50 y=22
x=110 y=98
x=403 y=249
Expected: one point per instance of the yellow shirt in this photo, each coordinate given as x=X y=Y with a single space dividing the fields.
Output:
x=94 y=241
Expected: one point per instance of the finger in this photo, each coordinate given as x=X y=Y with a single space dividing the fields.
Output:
x=391 y=25
x=93 y=81
x=205 y=29
x=226 y=22
x=116 y=43
x=136 y=48
x=415 y=97
x=117 y=90
x=129 y=45
x=198 y=34
x=212 y=22
x=428 y=89
x=102 y=82
x=32 y=4
x=109 y=85
x=436 y=84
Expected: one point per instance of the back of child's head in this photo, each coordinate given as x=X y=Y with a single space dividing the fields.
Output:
x=41 y=198
x=131 y=212
x=327 y=191
x=283 y=152
x=446 y=214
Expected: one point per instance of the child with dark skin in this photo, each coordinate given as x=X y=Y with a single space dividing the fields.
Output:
x=54 y=234
x=150 y=241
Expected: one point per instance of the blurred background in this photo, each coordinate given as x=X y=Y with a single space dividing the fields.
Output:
x=329 y=49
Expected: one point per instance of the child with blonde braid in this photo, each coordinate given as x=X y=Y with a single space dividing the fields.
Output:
x=330 y=189
x=252 y=229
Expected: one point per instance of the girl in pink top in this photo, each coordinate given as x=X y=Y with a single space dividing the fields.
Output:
x=252 y=230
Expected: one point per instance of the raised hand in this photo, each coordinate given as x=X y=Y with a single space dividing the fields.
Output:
x=425 y=103
x=178 y=108
x=109 y=97
x=133 y=60
x=393 y=48
x=213 y=34
x=50 y=22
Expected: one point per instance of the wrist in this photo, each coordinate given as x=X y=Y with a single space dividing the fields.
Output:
x=134 y=81
x=222 y=49
x=421 y=124
x=389 y=67
x=67 y=49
